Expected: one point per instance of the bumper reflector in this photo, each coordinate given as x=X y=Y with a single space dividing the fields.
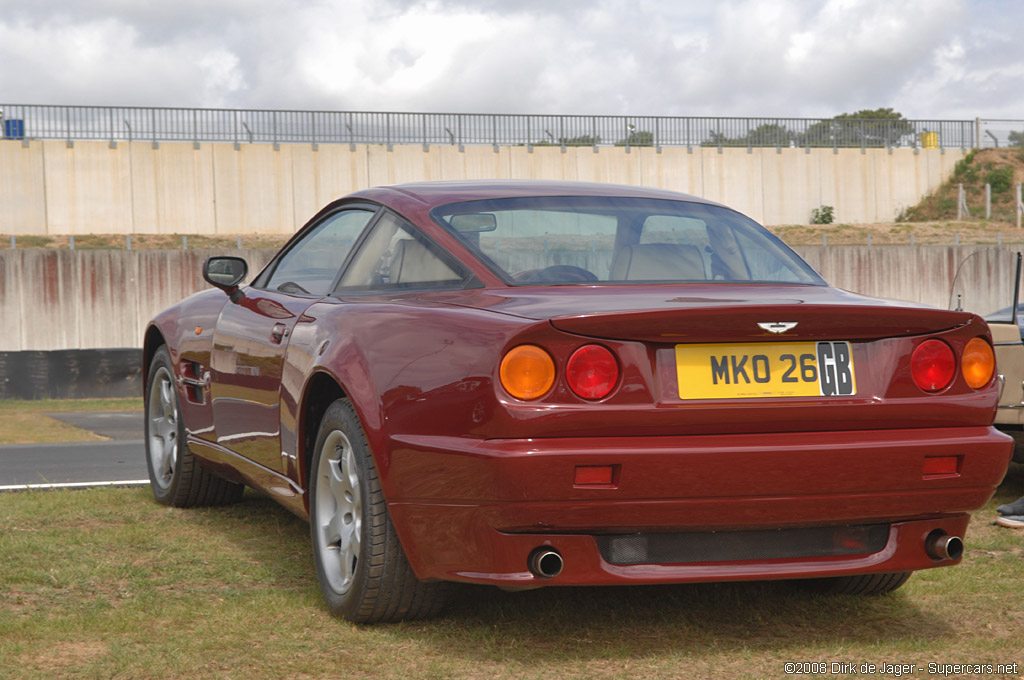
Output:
x=594 y=475
x=940 y=466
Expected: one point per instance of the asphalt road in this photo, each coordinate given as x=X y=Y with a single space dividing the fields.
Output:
x=117 y=461
x=120 y=425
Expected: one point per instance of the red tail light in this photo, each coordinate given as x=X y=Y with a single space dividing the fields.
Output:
x=932 y=365
x=592 y=372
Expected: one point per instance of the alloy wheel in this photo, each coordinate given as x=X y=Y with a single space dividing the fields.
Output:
x=163 y=416
x=339 y=513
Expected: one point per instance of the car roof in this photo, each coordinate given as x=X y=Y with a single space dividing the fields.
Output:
x=427 y=195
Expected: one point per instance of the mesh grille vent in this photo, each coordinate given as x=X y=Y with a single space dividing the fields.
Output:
x=738 y=546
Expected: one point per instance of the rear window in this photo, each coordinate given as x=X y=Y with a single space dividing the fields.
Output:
x=601 y=240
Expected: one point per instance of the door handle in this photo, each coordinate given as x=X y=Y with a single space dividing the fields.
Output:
x=279 y=332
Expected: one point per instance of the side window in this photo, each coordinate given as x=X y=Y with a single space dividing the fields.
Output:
x=392 y=257
x=309 y=267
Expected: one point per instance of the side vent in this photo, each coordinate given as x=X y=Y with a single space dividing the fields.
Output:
x=195 y=381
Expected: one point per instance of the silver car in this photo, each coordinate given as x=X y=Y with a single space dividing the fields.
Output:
x=988 y=283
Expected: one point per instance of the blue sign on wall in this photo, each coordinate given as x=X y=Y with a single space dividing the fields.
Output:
x=14 y=129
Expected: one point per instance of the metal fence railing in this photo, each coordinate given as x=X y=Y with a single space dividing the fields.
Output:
x=1000 y=133
x=115 y=124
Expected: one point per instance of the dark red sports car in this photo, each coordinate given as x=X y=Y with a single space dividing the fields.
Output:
x=533 y=383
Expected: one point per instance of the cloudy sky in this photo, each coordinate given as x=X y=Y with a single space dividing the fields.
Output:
x=787 y=58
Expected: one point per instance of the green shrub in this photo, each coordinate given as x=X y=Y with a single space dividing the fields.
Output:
x=1001 y=179
x=946 y=205
x=963 y=171
x=822 y=215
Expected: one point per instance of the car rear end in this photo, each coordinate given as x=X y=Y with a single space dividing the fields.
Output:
x=740 y=421
x=872 y=467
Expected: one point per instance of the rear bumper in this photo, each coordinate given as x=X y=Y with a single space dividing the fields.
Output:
x=473 y=510
x=494 y=558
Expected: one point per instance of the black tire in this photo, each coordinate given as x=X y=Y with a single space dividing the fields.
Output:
x=363 y=572
x=175 y=476
x=862 y=584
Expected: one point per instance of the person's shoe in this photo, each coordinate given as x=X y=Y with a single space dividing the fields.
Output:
x=1014 y=508
x=1015 y=521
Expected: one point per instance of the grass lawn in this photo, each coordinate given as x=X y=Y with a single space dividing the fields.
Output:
x=26 y=422
x=107 y=584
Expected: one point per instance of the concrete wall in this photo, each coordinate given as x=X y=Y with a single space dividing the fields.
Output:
x=921 y=274
x=56 y=300
x=47 y=187
x=82 y=299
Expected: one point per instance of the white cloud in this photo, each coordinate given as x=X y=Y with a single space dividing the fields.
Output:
x=222 y=76
x=790 y=58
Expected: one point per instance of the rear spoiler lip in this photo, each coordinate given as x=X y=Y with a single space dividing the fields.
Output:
x=739 y=323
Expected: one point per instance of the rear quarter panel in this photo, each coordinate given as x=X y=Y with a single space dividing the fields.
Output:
x=413 y=367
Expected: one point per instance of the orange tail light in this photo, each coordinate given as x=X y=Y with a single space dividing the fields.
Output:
x=978 y=363
x=527 y=372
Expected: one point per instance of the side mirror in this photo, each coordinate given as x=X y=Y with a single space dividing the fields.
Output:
x=225 y=273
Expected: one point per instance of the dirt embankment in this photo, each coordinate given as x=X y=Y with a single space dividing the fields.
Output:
x=1002 y=169
x=934 y=219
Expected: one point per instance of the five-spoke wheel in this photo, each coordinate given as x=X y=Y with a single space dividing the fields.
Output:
x=339 y=510
x=162 y=417
x=363 y=573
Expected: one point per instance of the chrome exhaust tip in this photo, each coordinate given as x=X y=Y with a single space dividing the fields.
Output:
x=545 y=562
x=940 y=546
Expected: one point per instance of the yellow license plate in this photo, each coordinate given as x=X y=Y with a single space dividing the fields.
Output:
x=765 y=369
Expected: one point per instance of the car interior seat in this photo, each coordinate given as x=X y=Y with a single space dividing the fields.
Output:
x=658 y=262
x=412 y=262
